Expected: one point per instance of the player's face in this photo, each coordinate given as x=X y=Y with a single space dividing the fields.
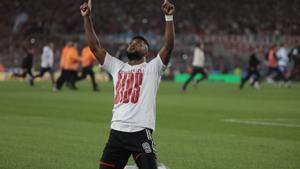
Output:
x=137 y=45
x=136 y=49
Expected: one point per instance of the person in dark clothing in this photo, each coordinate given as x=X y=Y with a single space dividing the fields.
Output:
x=294 y=55
x=27 y=64
x=252 y=70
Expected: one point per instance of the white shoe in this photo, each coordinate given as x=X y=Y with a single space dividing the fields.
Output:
x=130 y=167
x=280 y=84
x=257 y=86
x=54 y=89
x=287 y=84
x=160 y=166
x=270 y=80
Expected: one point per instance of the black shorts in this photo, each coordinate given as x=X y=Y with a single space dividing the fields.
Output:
x=45 y=69
x=200 y=70
x=121 y=145
x=88 y=70
x=272 y=70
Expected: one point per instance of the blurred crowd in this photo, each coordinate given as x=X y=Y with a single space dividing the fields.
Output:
x=193 y=16
x=41 y=21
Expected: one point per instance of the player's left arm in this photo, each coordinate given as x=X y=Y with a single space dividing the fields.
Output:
x=166 y=51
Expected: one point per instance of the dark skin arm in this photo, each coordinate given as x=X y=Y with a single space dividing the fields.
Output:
x=90 y=34
x=99 y=51
x=166 y=51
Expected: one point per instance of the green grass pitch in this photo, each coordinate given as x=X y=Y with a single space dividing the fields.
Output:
x=215 y=126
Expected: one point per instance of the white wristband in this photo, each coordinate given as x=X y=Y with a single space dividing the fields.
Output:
x=169 y=18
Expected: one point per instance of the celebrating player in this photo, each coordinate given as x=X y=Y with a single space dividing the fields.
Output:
x=135 y=87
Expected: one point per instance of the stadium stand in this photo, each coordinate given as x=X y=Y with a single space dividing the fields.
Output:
x=230 y=28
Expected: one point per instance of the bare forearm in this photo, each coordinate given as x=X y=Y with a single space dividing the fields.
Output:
x=92 y=39
x=169 y=37
x=90 y=34
x=166 y=51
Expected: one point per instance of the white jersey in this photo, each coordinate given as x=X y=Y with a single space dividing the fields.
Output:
x=47 y=58
x=135 y=88
x=282 y=56
x=199 y=57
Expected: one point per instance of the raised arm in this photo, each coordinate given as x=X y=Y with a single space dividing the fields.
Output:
x=166 y=51
x=90 y=34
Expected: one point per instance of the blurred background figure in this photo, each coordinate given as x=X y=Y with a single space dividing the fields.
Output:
x=26 y=66
x=252 y=71
x=88 y=62
x=294 y=55
x=70 y=61
x=47 y=62
x=63 y=73
x=198 y=66
x=20 y=19
x=283 y=63
x=272 y=64
x=229 y=39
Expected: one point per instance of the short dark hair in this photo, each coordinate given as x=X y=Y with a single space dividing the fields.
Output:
x=141 y=38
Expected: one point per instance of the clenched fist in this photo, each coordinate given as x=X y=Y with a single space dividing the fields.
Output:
x=85 y=9
x=168 y=8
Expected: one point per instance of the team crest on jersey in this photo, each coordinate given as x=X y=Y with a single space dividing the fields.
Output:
x=147 y=147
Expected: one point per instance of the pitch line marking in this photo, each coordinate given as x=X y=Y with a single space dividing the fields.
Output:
x=261 y=123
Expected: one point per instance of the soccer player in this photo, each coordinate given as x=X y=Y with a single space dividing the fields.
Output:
x=135 y=87
x=283 y=62
x=295 y=56
x=47 y=62
x=27 y=64
x=198 y=66
x=252 y=70
x=88 y=61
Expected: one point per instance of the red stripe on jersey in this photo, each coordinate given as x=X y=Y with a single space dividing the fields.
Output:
x=128 y=87
x=106 y=164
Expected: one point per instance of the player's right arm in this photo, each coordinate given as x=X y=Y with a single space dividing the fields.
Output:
x=90 y=34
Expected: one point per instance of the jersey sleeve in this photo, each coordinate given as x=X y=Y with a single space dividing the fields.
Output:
x=111 y=64
x=157 y=65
